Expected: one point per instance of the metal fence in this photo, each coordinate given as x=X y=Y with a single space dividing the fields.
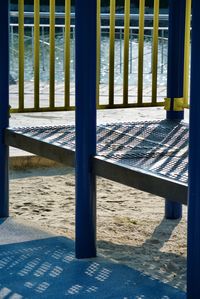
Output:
x=125 y=44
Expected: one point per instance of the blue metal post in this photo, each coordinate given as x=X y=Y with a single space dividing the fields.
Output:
x=4 y=104
x=193 y=260
x=85 y=128
x=176 y=36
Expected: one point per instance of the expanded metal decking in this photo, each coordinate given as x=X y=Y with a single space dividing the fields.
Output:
x=151 y=156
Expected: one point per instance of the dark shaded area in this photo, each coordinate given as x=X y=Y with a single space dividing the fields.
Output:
x=38 y=269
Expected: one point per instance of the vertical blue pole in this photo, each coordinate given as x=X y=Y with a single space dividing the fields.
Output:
x=85 y=128
x=193 y=260
x=4 y=104
x=175 y=72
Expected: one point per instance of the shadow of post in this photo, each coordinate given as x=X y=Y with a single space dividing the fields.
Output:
x=166 y=266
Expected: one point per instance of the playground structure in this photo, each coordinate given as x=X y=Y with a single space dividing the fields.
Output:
x=41 y=29
x=91 y=160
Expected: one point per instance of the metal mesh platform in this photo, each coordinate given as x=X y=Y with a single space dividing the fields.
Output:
x=158 y=147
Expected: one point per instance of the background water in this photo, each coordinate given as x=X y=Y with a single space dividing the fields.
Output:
x=104 y=71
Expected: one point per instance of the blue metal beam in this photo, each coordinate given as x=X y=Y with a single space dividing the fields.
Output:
x=175 y=67
x=85 y=128
x=4 y=105
x=193 y=270
x=176 y=35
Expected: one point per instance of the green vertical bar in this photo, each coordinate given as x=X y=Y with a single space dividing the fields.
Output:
x=21 y=55
x=112 y=52
x=126 y=51
x=36 y=53
x=52 y=54
x=67 y=52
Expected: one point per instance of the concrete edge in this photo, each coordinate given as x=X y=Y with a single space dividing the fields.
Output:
x=31 y=161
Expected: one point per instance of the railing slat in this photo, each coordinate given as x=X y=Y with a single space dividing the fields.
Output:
x=141 y=51
x=155 y=51
x=36 y=53
x=126 y=51
x=126 y=16
x=21 y=55
x=112 y=52
x=187 y=52
x=98 y=49
x=67 y=53
x=52 y=55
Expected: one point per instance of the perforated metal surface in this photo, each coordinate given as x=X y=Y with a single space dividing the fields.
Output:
x=159 y=147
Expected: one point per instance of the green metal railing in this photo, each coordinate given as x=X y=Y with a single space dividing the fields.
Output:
x=124 y=102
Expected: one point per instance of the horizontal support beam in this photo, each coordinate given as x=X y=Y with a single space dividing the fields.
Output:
x=101 y=106
x=129 y=176
x=38 y=147
x=141 y=180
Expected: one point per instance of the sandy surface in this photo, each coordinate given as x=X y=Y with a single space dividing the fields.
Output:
x=131 y=228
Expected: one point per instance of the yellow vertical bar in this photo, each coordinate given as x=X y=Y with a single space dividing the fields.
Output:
x=36 y=53
x=141 y=51
x=126 y=51
x=21 y=55
x=67 y=52
x=112 y=52
x=98 y=48
x=187 y=52
x=52 y=55
x=155 y=51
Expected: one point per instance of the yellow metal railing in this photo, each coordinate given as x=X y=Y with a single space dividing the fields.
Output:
x=141 y=51
x=21 y=56
x=112 y=53
x=36 y=54
x=126 y=51
x=67 y=53
x=155 y=51
x=126 y=86
x=52 y=56
x=187 y=54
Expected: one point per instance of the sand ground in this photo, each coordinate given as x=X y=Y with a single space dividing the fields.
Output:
x=131 y=226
